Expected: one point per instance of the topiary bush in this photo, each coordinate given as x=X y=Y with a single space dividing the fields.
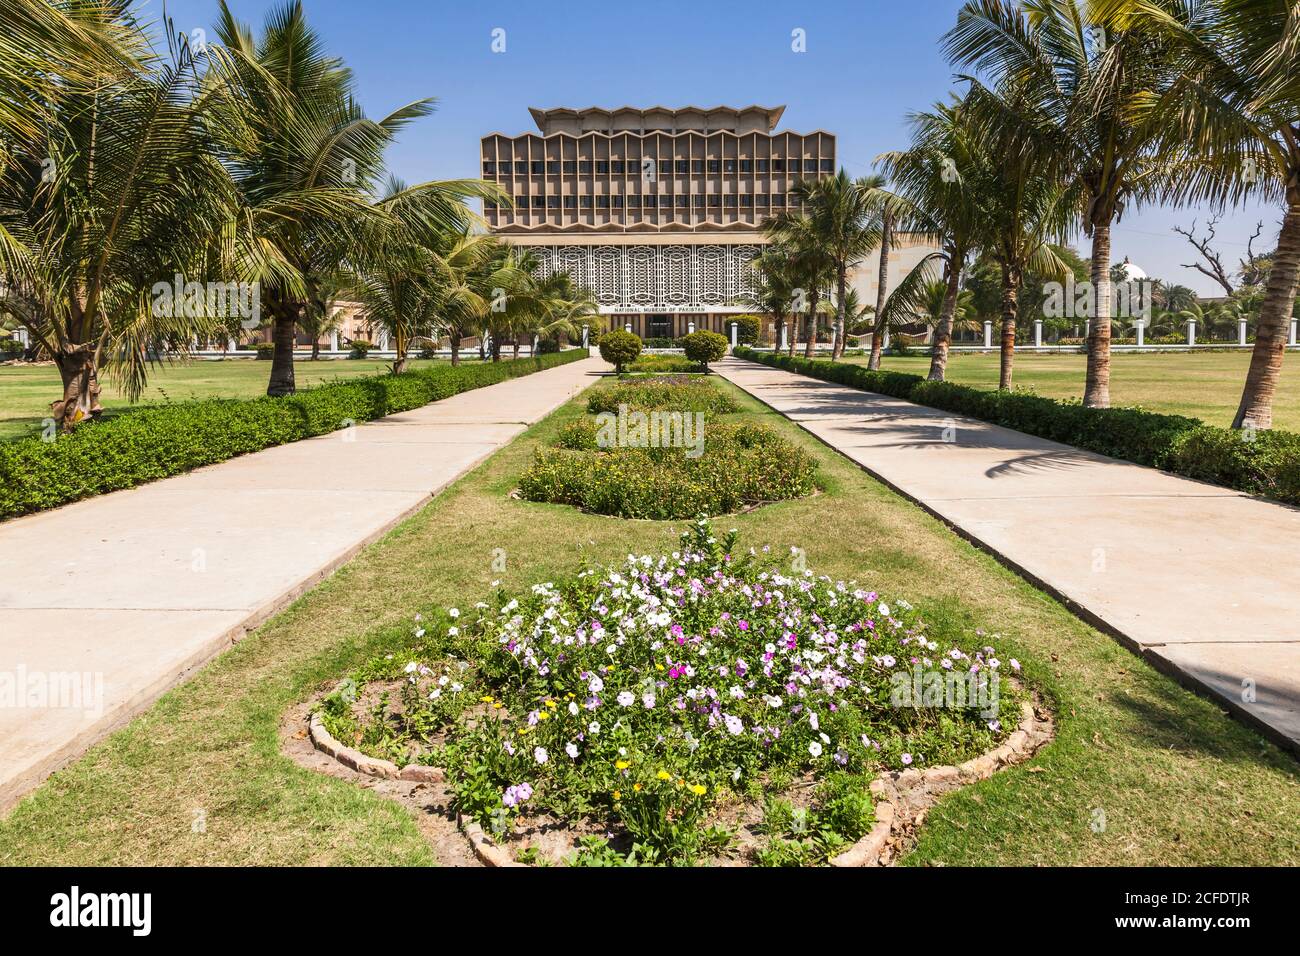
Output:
x=704 y=347
x=619 y=348
x=265 y=350
x=157 y=441
x=361 y=348
x=1265 y=463
x=748 y=328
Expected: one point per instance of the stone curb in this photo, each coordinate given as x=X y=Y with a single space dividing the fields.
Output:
x=1022 y=742
x=354 y=759
x=488 y=853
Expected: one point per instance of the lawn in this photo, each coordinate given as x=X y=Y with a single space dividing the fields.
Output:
x=26 y=391
x=1204 y=385
x=1142 y=771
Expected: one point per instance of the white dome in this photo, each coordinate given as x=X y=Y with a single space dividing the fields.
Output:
x=1131 y=272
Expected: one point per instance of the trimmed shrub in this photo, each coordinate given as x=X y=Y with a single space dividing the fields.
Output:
x=668 y=393
x=663 y=364
x=158 y=441
x=659 y=342
x=265 y=350
x=360 y=348
x=747 y=328
x=619 y=348
x=548 y=346
x=704 y=347
x=1265 y=463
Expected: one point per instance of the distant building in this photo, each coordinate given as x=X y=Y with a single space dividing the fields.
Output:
x=659 y=211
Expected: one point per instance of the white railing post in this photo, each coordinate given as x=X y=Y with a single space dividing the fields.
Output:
x=784 y=336
x=1294 y=323
x=1142 y=332
x=733 y=334
x=628 y=327
x=988 y=334
x=1191 y=331
x=690 y=327
x=1038 y=333
x=1241 y=331
x=885 y=342
x=585 y=330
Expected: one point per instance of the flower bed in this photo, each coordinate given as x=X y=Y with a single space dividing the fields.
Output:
x=698 y=706
x=656 y=449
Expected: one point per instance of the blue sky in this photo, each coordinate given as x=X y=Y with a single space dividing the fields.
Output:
x=867 y=65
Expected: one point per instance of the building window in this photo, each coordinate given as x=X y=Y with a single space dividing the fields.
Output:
x=489 y=168
x=602 y=165
x=778 y=165
x=730 y=200
x=602 y=202
x=570 y=166
x=697 y=165
x=747 y=201
x=714 y=165
x=539 y=202
x=570 y=202
x=762 y=201
x=665 y=202
x=682 y=200
x=521 y=202
x=728 y=165
x=584 y=167
x=697 y=202
x=618 y=167
x=584 y=201
x=489 y=205
x=794 y=200
x=810 y=165
x=618 y=201
x=552 y=202
x=633 y=202
x=746 y=165
x=665 y=167
x=778 y=199
x=828 y=165
x=714 y=200
x=537 y=167
x=762 y=165
x=681 y=166
x=659 y=327
x=553 y=167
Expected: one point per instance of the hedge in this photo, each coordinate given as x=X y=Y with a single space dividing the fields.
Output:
x=158 y=441
x=1266 y=463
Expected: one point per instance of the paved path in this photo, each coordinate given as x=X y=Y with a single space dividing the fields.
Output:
x=1201 y=580
x=126 y=594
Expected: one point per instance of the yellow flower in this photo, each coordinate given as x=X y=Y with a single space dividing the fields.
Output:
x=622 y=764
x=636 y=787
x=552 y=704
x=664 y=775
x=659 y=667
x=699 y=790
x=487 y=699
x=497 y=706
x=543 y=715
x=617 y=795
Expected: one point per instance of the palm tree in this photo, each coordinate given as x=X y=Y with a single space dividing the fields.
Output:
x=939 y=203
x=115 y=192
x=810 y=265
x=1233 y=105
x=842 y=213
x=303 y=158
x=1080 y=74
x=773 y=292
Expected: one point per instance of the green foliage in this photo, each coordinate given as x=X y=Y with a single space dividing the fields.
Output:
x=670 y=393
x=265 y=350
x=747 y=328
x=156 y=442
x=548 y=346
x=663 y=364
x=704 y=347
x=361 y=347
x=619 y=348
x=1265 y=463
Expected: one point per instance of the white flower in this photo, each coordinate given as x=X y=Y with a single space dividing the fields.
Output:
x=540 y=754
x=625 y=698
x=825 y=739
x=572 y=750
x=884 y=609
x=410 y=668
x=573 y=707
x=773 y=701
x=457 y=687
x=593 y=727
x=595 y=685
x=453 y=631
x=812 y=720
x=648 y=701
x=1015 y=665
x=453 y=612
x=735 y=725
x=815 y=749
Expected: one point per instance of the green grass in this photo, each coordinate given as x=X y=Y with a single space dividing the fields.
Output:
x=1178 y=781
x=1204 y=385
x=26 y=391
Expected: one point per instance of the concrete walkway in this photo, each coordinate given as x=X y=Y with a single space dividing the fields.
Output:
x=1200 y=580
x=107 y=603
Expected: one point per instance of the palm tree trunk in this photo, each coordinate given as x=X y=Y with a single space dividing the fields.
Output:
x=1010 y=295
x=1096 y=392
x=282 y=380
x=794 y=333
x=882 y=291
x=454 y=342
x=315 y=350
x=943 y=332
x=515 y=353
x=76 y=364
x=1256 y=404
x=837 y=343
x=810 y=325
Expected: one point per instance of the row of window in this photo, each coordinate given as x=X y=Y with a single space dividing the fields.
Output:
x=713 y=201
x=666 y=167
